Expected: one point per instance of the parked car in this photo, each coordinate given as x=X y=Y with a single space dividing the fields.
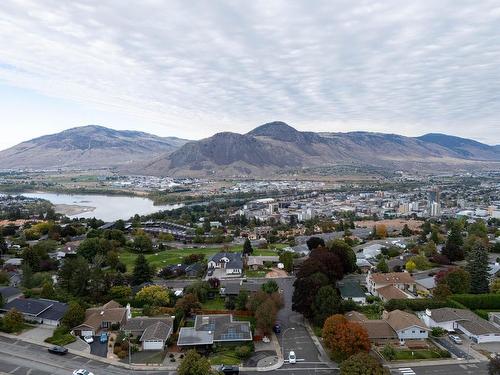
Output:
x=88 y=339
x=61 y=350
x=292 y=357
x=229 y=370
x=82 y=372
x=277 y=328
x=103 y=338
x=456 y=339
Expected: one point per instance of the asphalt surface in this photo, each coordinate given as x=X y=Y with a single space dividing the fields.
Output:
x=459 y=350
x=459 y=369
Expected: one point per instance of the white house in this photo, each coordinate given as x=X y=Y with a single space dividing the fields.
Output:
x=371 y=251
x=477 y=329
x=393 y=285
x=232 y=263
x=407 y=326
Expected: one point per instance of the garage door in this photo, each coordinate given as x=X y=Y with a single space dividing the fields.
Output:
x=87 y=333
x=153 y=345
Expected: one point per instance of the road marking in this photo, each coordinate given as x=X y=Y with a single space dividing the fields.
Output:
x=29 y=371
x=13 y=371
x=406 y=371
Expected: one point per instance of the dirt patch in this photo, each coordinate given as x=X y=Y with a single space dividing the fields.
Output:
x=276 y=272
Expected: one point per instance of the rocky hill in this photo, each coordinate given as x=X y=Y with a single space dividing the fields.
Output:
x=87 y=147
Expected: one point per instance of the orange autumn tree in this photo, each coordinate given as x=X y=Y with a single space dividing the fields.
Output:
x=344 y=338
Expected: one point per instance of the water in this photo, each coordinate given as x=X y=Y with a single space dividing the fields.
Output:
x=107 y=208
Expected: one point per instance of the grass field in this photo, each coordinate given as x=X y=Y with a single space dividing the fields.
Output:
x=174 y=256
x=418 y=354
x=214 y=304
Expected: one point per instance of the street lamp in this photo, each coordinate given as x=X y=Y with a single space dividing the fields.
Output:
x=283 y=340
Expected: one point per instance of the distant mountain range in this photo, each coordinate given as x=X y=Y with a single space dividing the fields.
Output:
x=89 y=146
x=268 y=149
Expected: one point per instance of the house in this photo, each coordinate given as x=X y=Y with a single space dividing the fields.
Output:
x=10 y=293
x=477 y=329
x=351 y=290
x=103 y=318
x=42 y=311
x=13 y=263
x=393 y=285
x=210 y=329
x=231 y=263
x=395 y=325
x=407 y=326
x=15 y=278
x=363 y=265
x=370 y=252
x=255 y=262
x=426 y=285
x=233 y=288
x=152 y=332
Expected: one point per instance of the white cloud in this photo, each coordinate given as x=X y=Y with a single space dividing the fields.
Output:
x=194 y=68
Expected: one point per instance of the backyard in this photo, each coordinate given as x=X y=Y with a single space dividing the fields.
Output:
x=164 y=258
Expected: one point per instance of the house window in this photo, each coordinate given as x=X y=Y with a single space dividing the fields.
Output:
x=421 y=331
x=412 y=331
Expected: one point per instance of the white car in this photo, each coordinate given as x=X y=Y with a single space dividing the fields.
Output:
x=292 y=358
x=456 y=339
x=82 y=372
x=88 y=339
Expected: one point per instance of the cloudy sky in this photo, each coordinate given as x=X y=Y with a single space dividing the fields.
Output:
x=193 y=68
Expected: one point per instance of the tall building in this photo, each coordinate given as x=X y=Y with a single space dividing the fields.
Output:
x=433 y=195
x=435 y=209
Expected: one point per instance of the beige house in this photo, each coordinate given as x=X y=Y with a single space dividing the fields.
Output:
x=102 y=318
x=393 y=285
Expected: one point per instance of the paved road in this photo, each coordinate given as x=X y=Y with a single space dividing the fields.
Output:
x=459 y=369
x=21 y=358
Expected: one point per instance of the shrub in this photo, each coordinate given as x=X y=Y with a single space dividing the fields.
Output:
x=389 y=352
x=478 y=301
x=415 y=304
x=438 y=331
x=243 y=352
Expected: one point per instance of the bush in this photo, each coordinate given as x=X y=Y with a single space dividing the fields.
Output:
x=438 y=331
x=61 y=337
x=478 y=301
x=389 y=352
x=415 y=304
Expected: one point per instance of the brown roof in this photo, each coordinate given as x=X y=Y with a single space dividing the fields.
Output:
x=393 y=278
x=110 y=312
x=355 y=316
x=139 y=324
x=378 y=329
x=400 y=320
x=389 y=292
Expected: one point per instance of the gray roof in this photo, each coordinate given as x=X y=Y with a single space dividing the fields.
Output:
x=427 y=282
x=470 y=321
x=9 y=291
x=41 y=308
x=234 y=288
x=157 y=331
x=214 y=328
x=350 y=289
x=140 y=324
x=235 y=259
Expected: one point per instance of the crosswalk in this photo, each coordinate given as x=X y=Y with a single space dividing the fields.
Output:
x=406 y=371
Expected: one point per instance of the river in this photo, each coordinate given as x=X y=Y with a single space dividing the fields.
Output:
x=104 y=207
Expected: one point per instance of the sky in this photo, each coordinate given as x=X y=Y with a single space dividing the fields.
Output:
x=194 y=68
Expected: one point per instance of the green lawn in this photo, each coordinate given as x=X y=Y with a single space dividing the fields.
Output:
x=224 y=356
x=418 y=354
x=164 y=258
x=257 y=273
x=214 y=304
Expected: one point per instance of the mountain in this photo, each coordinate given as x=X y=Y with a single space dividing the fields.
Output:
x=276 y=147
x=89 y=146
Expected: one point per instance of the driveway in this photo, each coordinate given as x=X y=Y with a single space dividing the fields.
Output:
x=98 y=348
x=457 y=350
x=39 y=333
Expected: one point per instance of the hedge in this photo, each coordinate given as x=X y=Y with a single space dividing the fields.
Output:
x=418 y=304
x=478 y=301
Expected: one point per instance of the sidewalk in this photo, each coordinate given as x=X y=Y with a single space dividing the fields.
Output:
x=275 y=366
x=418 y=363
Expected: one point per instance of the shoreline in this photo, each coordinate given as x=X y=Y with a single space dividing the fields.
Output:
x=72 y=209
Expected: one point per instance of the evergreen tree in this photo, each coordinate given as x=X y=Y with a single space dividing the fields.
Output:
x=477 y=266
x=142 y=271
x=247 y=247
x=406 y=231
x=453 y=248
x=382 y=266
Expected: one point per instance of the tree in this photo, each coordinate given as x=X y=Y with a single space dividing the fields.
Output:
x=362 y=364
x=304 y=292
x=453 y=246
x=247 y=247
x=331 y=324
x=153 y=295
x=457 y=280
x=315 y=242
x=389 y=352
x=410 y=266
x=494 y=366
x=3 y=245
x=241 y=300
x=75 y=315
x=477 y=266
x=349 y=339
x=200 y=289
x=441 y=291
x=287 y=259
x=270 y=287
x=13 y=321
x=187 y=304
x=142 y=271
x=142 y=243
x=345 y=253
x=195 y=364
x=326 y=303
x=120 y=292
x=495 y=286
x=73 y=276
x=406 y=231
x=48 y=291
x=265 y=316
x=28 y=280
x=382 y=266
x=324 y=261
x=381 y=231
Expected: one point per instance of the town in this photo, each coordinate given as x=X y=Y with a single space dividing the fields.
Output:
x=261 y=282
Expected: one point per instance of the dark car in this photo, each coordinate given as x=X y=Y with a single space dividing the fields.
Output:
x=277 y=328
x=61 y=350
x=229 y=370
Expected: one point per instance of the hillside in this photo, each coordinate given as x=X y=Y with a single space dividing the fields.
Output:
x=277 y=146
x=89 y=146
